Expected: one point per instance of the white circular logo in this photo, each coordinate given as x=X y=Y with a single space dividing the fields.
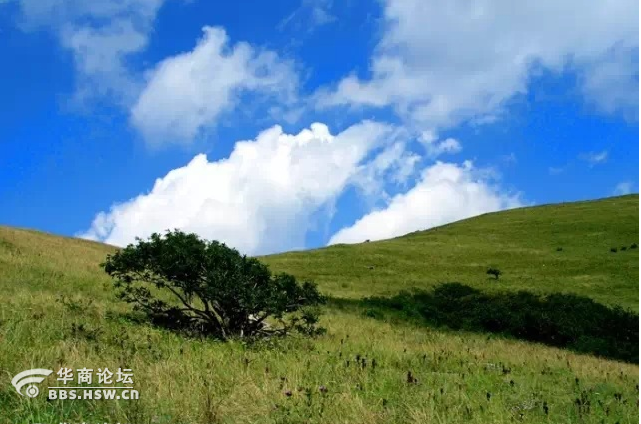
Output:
x=28 y=378
x=32 y=391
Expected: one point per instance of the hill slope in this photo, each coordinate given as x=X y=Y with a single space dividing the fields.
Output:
x=522 y=243
x=58 y=308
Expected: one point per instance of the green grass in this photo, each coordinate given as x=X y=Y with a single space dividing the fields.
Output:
x=51 y=285
x=522 y=243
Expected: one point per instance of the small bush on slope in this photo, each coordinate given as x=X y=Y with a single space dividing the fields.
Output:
x=495 y=272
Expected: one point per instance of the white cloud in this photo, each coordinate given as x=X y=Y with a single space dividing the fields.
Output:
x=594 y=158
x=182 y=94
x=446 y=192
x=611 y=83
x=261 y=199
x=100 y=55
x=435 y=148
x=187 y=92
x=440 y=63
x=311 y=14
x=625 y=187
x=102 y=35
x=59 y=12
x=393 y=164
x=321 y=16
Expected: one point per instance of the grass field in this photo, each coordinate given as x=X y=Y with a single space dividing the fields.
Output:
x=58 y=310
x=522 y=243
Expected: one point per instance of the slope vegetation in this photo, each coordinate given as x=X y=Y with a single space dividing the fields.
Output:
x=551 y=248
x=57 y=309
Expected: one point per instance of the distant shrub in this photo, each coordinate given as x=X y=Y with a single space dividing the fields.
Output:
x=559 y=249
x=563 y=320
x=633 y=246
x=623 y=248
x=495 y=272
x=372 y=313
x=367 y=241
x=613 y=250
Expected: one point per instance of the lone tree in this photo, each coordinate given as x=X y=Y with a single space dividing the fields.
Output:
x=186 y=283
x=495 y=272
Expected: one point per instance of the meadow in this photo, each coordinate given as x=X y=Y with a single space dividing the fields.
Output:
x=374 y=365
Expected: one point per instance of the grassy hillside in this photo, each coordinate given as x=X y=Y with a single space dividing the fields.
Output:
x=522 y=243
x=57 y=309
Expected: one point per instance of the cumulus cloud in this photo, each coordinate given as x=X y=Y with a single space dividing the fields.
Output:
x=440 y=63
x=393 y=164
x=446 y=192
x=182 y=94
x=261 y=199
x=102 y=35
x=187 y=92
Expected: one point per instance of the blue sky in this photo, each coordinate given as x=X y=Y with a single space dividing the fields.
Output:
x=293 y=124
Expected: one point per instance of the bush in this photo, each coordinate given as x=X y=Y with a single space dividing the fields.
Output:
x=563 y=320
x=494 y=272
x=185 y=283
x=613 y=249
x=373 y=313
x=633 y=246
x=559 y=249
x=624 y=248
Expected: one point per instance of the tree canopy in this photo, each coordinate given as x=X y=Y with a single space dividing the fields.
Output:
x=184 y=282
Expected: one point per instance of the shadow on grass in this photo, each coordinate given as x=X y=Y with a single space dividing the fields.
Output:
x=567 y=321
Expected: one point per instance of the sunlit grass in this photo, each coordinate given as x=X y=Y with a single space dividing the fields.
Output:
x=521 y=243
x=358 y=372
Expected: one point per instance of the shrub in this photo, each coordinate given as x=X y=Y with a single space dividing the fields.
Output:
x=559 y=249
x=372 y=313
x=623 y=248
x=563 y=320
x=613 y=249
x=494 y=272
x=185 y=283
x=307 y=323
x=633 y=246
